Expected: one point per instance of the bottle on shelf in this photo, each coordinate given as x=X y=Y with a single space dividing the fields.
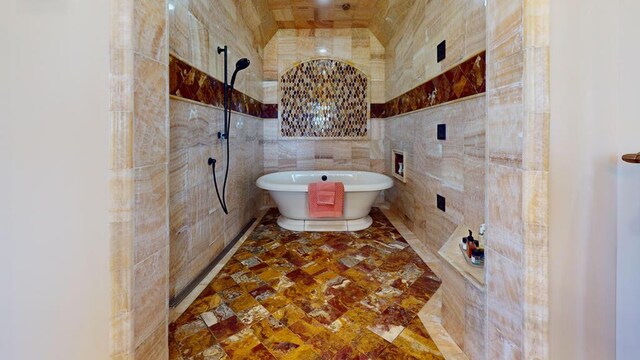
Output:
x=483 y=229
x=471 y=244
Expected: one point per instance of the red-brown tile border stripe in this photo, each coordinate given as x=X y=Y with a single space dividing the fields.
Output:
x=187 y=82
x=464 y=80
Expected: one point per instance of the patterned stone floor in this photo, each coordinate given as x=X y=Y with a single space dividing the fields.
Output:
x=294 y=295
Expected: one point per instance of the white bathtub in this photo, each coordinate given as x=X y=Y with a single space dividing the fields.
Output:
x=289 y=190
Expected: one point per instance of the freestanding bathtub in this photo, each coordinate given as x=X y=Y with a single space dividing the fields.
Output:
x=289 y=190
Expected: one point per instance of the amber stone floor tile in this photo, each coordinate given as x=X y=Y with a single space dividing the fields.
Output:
x=306 y=295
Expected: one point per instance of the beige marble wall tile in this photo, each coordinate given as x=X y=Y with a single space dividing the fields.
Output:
x=154 y=347
x=517 y=129
x=270 y=92
x=199 y=230
x=179 y=29
x=138 y=221
x=121 y=18
x=121 y=207
x=474 y=192
x=150 y=295
x=410 y=56
x=505 y=290
x=504 y=199
x=505 y=146
x=121 y=136
x=180 y=235
x=150 y=29
x=453 y=168
x=198 y=27
x=289 y=47
x=150 y=93
x=121 y=76
x=475 y=322
x=150 y=187
x=499 y=346
x=198 y=43
x=453 y=304
x=475 y=32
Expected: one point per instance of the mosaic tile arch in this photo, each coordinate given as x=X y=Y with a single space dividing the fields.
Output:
x=324 y=98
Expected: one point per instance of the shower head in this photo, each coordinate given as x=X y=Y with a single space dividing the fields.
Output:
x=240 y=65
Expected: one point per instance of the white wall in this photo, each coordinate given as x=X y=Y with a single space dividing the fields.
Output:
x=628 y=267
x=53 y=179
x=585 y=54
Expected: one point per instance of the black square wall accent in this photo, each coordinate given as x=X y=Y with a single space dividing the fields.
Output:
x=442 y=203
x=442 y=50
x=442 y=131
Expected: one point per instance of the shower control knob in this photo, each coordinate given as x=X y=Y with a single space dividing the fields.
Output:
x=324 y=177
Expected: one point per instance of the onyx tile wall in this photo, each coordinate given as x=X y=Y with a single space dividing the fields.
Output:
x=517 y=180
x=355 y=46
x=411 y=53
x=463 y=80
x=189 y=82
x=362 y=154
x=453 y=168
x=198 y=27
x=199 y=229
x=138 y=180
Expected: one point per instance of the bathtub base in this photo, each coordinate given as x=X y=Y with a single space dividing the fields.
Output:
x=325 y=225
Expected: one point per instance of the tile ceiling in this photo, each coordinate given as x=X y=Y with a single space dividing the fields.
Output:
x=380 y=16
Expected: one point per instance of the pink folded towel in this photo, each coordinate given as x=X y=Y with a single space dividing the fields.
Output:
x=326 y=199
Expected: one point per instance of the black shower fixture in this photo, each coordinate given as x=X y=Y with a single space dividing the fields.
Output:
x=228 y=93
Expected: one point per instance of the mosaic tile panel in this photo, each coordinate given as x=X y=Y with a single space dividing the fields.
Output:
x=324 y=98
x=187 y=82
x=464 y=80
x=303 y=295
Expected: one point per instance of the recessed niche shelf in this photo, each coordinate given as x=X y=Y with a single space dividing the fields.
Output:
x=399 y=165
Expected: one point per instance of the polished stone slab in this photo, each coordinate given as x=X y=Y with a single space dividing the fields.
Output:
x=318 y=295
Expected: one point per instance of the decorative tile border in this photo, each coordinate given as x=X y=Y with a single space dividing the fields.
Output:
x=190 y=83
x=324 y=98
x=464 y=80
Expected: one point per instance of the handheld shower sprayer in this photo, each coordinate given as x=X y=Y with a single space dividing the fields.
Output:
x=228 y=93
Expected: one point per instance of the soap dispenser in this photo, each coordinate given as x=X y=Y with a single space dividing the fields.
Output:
x=471 y=244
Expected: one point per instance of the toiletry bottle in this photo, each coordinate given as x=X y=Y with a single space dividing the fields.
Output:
x=470 y=243
x=463 y=243
x=477 y=257
x=483 y=229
